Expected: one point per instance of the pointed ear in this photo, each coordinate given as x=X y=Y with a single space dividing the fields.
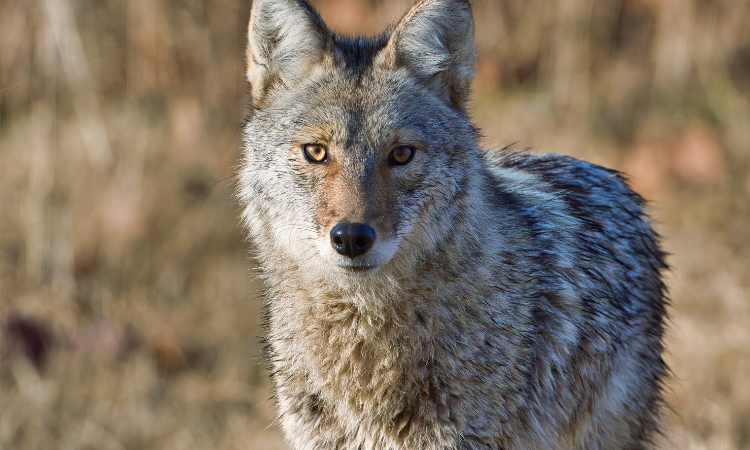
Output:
x=285 y=39
x=435 y=40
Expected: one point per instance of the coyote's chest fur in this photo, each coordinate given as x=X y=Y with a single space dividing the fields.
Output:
x=424 y=293
x=384 y=366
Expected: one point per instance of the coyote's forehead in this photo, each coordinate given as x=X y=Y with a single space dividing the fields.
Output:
x=357 y=112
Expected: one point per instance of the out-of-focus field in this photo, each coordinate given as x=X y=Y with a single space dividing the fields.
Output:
x=129 y=311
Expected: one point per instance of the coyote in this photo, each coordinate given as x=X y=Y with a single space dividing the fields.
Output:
x=424 y=293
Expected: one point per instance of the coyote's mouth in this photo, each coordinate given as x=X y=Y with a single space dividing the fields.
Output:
x=357 y=268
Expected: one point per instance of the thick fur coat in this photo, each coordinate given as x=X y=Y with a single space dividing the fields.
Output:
x=510 y=301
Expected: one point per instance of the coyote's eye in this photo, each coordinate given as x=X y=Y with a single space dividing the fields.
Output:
x=401 y=155
x=315 y=153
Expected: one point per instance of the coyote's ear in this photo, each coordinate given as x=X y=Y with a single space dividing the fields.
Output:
x=435 y=40
x=285 y=38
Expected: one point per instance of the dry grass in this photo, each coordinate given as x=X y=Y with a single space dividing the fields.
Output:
x=128 y=309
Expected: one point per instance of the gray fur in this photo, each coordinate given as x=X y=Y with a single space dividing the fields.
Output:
x=436 y=41
x=516 y=301
x=285 y=38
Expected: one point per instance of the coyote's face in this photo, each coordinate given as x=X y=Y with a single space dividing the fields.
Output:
x=357 y=151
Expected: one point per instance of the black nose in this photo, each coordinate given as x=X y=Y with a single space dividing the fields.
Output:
x=352 y=239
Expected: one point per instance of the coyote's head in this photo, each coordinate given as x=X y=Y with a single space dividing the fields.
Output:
x=357 y=150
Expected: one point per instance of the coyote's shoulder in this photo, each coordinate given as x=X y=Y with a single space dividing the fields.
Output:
x=597 y=207
x=424 y=293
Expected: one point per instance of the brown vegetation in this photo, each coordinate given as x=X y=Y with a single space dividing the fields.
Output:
x=129 y=315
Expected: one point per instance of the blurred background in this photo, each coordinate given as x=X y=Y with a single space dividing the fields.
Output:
x=129 y=309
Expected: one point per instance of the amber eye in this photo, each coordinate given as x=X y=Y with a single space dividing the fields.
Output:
x=315 y=153
x=401 y=155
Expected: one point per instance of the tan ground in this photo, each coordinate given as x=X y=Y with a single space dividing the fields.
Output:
x=129 y=312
